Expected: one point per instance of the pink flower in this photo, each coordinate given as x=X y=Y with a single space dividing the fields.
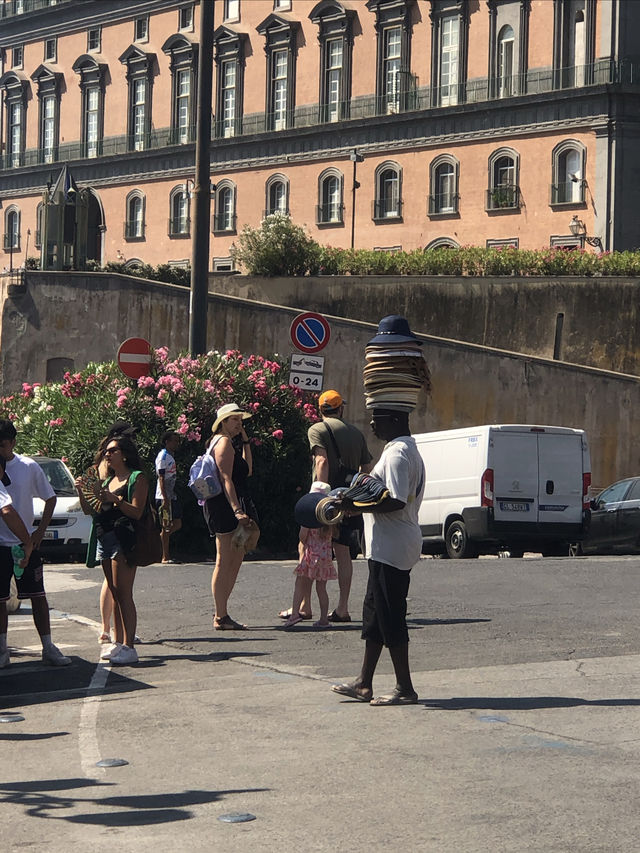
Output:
x=160 y=411
x=56 y=422
x=277 y=434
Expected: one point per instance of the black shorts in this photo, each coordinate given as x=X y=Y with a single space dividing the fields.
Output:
x=219 y=516
x=30 y=585
x=384 y=610
x=343 y=532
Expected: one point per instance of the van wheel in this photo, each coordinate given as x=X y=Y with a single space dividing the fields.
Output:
x=457 y=542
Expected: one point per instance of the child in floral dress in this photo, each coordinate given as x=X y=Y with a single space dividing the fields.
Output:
x=316 y=564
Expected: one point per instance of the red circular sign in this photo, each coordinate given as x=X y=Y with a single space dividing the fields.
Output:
x=310 y=332
x=134 y=357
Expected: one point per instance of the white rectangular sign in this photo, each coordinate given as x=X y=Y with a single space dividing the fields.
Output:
x=306 y=371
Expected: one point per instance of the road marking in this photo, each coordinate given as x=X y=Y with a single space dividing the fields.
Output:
x=87 y=728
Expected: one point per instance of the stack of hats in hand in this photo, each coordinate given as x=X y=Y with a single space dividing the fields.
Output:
x=395 y=371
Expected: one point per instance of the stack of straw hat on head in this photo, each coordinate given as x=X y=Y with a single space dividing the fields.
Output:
x=395 y=371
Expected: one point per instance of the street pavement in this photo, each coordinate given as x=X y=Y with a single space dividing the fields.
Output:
x=525 y=737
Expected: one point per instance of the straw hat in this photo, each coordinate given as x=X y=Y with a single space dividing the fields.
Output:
x=227 y=411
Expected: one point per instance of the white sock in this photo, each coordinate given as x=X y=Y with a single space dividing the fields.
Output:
x=3 y=643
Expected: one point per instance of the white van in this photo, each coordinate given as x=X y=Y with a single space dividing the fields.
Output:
x=507 y=487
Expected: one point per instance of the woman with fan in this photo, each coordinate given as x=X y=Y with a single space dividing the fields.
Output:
x=116 y=503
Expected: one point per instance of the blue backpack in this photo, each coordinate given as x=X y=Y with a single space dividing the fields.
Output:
x=204 y=478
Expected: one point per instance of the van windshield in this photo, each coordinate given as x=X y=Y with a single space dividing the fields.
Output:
x=59 y=477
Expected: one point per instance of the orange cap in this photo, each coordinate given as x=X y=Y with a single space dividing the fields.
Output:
x=330 y=400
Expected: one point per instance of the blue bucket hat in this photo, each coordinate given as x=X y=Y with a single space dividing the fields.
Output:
x=394 y=329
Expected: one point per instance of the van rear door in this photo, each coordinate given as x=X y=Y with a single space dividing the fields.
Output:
x=513 y=456
x=561 y=465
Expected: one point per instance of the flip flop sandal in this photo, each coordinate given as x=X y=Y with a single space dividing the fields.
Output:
x=227 y=624
x=286 y=614
x=105 y=639
x=351 y=692
x=335 y=617
x=291 y=621
x=395 y=698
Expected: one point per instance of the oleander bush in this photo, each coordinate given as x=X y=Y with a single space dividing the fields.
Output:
x=68 y=420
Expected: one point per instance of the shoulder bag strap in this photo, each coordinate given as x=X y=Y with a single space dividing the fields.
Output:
x=333 y=441
x=131 y=484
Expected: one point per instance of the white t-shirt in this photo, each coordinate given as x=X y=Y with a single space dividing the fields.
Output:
x=394 y=538
x=165 y=462
x=28 y=481
x=5 y=497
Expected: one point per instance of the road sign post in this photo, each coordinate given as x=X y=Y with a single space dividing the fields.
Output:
x=134 y=357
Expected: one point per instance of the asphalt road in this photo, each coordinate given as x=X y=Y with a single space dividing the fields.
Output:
x=524 y=739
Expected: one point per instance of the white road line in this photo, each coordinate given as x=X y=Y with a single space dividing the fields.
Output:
x=87 y=728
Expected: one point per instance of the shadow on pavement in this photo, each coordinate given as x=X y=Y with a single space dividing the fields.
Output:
x=25 y=737
x=425 y=622
x=38 y=800
x=521 y=703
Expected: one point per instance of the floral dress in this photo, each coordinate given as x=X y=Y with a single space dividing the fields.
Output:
x=317 y=562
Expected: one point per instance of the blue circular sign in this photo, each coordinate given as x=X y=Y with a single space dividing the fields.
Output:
x=310 y=332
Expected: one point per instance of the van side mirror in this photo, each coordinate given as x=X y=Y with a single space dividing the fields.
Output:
x=593 y=503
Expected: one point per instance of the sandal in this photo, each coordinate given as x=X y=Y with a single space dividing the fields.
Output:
x=103 y=639
x=291 y=621
x=286 y=614
x=226 y=623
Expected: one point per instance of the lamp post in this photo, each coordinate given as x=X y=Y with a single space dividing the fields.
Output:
x=198 y=302
x=355 y=159
x=579 y=229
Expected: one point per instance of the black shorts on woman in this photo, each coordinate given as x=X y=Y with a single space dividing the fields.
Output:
x=218 y=514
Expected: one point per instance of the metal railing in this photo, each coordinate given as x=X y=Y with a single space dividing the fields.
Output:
x=568 y=192
x=283 y=212
x=223 y=222
x=134 y=229
x=11 y=8
x=503 y=197
x=10 y=244
x=384 y=208
x=442 y=203
x=180 y=227
x=418 y=98
x=330 y=214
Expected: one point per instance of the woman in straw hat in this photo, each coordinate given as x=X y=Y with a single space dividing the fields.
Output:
x=232 y=507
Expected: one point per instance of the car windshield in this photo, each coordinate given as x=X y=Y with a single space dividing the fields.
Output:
x=59 y=477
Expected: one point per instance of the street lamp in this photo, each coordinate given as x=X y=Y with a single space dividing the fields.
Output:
x=579 y=229
x=355 y=159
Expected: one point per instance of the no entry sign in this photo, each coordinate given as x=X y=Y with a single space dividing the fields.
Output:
x=134 y=357
x=310 y=332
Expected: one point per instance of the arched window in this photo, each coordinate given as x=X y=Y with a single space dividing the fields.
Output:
x=503 y=192
x=38 y=234
x=505 y=61
x=330 y=206
x=183 y=65
x=179 y=213
x=134 y=226
x=224 y=218
x=12 y=229
x=388 y=201
x=443 y=194
x=277 y=195
x=568 y=162
x=16 y=95
x=442 y=243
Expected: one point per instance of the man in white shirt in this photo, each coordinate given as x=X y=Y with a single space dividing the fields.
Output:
x=27 y=481
x=167 y=503
x=394 y=544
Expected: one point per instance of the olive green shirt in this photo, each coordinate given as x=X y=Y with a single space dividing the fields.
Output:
x=351 y=444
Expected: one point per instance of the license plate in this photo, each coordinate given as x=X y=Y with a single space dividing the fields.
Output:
x=512 y=506
x=50 y=534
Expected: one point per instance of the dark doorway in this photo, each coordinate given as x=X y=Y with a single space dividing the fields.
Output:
x=95 y=228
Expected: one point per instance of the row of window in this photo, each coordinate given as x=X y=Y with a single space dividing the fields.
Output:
x=503 y=194
x=396 y=86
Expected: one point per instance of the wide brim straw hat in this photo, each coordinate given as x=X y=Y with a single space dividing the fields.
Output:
x=227 y=411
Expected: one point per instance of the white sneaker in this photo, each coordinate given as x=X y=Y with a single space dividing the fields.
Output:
x=5 y=659
x=54 y=657
x=113 y=649
x=124 y=657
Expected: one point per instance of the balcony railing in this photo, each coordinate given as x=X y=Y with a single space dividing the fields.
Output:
x=180 y=227
x=330 y=214
x=385 y=209
x=284 y=211
x=568 y=192
x=134 y=229
x=443 y=203
x=358 y=108
x=11 y=244
x=10 y=8
x=503 y=197
x=223 y=222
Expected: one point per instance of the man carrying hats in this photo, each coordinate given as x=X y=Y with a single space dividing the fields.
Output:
x=339 y=451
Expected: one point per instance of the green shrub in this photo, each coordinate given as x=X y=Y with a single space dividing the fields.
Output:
x=69 y=419
x=277 y=247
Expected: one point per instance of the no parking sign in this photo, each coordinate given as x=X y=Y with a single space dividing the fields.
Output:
x=310 y=332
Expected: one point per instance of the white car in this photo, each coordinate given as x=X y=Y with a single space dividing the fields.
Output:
x=67 y=535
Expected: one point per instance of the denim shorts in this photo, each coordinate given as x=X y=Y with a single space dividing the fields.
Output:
x=108 y=546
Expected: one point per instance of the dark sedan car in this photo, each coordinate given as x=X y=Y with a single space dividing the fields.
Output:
x=615 y=520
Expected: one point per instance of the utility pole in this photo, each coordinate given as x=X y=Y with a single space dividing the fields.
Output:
x=198 y=302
